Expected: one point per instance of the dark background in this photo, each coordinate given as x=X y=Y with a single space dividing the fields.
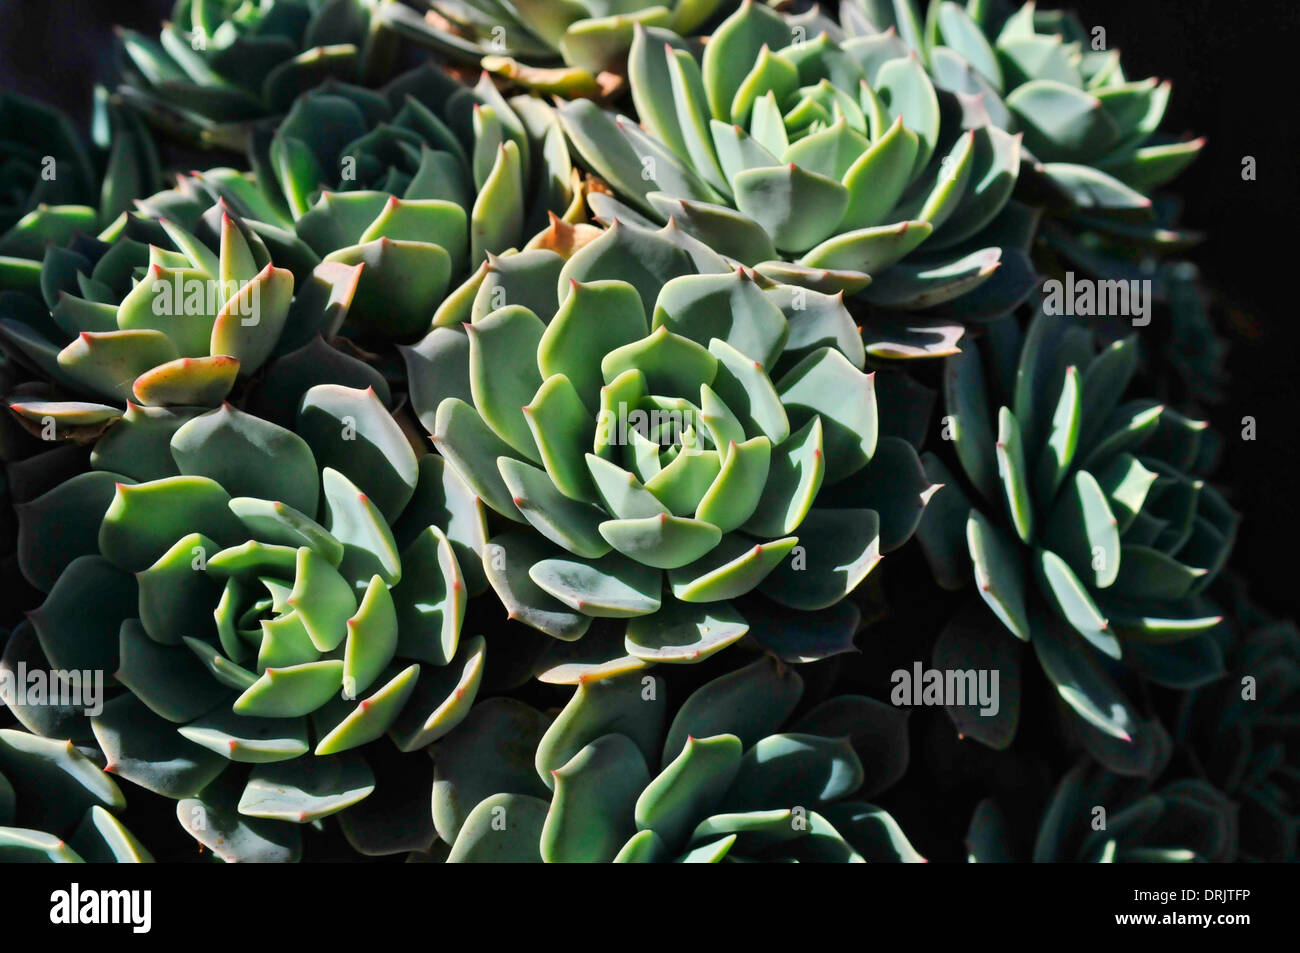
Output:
x=1233 y=63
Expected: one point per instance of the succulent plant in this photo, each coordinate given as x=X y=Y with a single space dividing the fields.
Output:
x=446 y=172
x=159 y=314
x=51 y=188
x=654 y=358
x=176 y=303
x=661 y=435
x=816 y=164
x=1093 y=148
x=268 y=603
x=1085 y=531
x=65 y=804
x=1182 y=821
x=723 y=783
x=1092 y=135
x=569 y=47
x=219 y=65
x=1239 y=735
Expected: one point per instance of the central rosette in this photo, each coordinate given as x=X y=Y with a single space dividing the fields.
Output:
x=647 y=444
x=664 y=439
x=290 y=609
x=263 y=596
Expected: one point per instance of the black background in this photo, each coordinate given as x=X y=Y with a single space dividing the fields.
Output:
x=1233 y=63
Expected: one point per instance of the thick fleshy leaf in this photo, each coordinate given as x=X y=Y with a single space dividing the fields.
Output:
x=630 y=705
x=729 y=307
x=999 y=572
x=144 y=748
x=188 y=382
x=214 y=820
x=53 y=781
x=1081 y=681
x=503 y=828
x=490 y=752
x=109 y=362
x=1083 y=530
x=790 y=769
x=355 y=521
x=734 y=567
x=561 y=429
x=972 y=642
x=690 y=786
x=795 y=472
x=1014 y=475
x=507 y=560
x=248 y=326
x=305 y=790
x=144 y=520
x=63 y=524
x=826 y=385
x=663 y=541
x=442 y=698
x=684 y=632
x=610 y=587
x=1069 y=597
x=750 y=703
x=401 y=283
x=350 y=431
x=176 y=595
x=371 y=641
x=838 y=550
x=321 y=599
x=796 y=207
x=249 y=740
x=139 y=444
x=293 y=691
x=895 y=485
x=591 y=813
x=749 y=394
x=473 y=448
x=236 y=450
x=597 y=317
x=672 y=364
x=1061 y=122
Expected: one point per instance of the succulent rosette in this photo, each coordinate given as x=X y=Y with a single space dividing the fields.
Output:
x=1095 y=153
x=661 y=435
x=219 y=65
x=178 y=303
x=585 y=341
x=267 y=604
x=1094 y=816
x=1092 y=133
x=58 y=806
x=817 y=164
x=420 y=182
x=155 y=313
x=1239 y=734
x=51 y=187
x=1082 y=525
x=735 y=776
x=569 y=47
